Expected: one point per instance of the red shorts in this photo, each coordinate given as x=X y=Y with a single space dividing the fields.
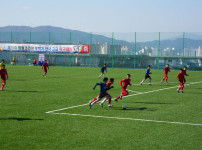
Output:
x=45 y=70
x=181 y=83
x=124 y=91
x=107 y=95
x=3 y=80
x=165 y=75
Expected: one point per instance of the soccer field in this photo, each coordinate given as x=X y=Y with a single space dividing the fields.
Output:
x=53 y=113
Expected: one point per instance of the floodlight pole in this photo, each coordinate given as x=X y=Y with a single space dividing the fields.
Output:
x=183 y=51
x=30 y=37
x=70 y=38
x=159 y=48
x=49 y=38
x=91 y=38
x=135 y=53
x=11 y=37
x=112 y=49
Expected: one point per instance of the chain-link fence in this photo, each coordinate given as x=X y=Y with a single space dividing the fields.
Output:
x=117 y=50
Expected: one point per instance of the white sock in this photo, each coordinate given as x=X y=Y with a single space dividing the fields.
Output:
x=149 y=80
x=93 y=102
x=103 y=100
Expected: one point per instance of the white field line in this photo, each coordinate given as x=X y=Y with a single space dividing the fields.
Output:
x=52 y=111
x=133 y=91
x=119 y=118
x=158 y=83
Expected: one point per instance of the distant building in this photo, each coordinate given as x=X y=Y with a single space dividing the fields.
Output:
x=95 y=48
x=111 y=49
x=199 y=51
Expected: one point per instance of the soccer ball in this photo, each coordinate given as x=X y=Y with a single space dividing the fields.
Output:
x=124 y=107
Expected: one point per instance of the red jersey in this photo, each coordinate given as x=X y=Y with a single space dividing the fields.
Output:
x=45 y=66
x=185 y=72
x=180 y=77
x=126 y=82
x=108 y=85
x=166 y=69
x=34 y=60
x=4 y=74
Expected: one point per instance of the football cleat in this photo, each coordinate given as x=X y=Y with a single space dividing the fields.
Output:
x=101 y=104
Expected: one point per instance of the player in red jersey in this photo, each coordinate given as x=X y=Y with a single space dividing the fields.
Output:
x=180 y=77
x=124 y=92
x=109 y=83
x=44 y=67
x=34 y=62
x=185 y=73
x=4 y=76
x=166 y=70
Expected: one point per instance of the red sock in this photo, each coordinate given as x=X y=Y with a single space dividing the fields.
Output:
x=94 y=99
x=2 y=86
x=118 y=97
x=124 y=94
x=109 y=100
x=163 y=79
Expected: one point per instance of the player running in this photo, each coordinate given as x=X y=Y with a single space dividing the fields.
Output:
x=181 y=79
x=147 y=76
x=166 y=70
x=109 y=83
x=103 y=69
x=102 y=94
x=44 y=68
x=124 y=92
x=4 y=76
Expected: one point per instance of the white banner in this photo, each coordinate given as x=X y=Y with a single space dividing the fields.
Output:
x=45 y=48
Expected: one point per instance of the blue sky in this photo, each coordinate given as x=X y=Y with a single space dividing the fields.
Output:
x=106 y=15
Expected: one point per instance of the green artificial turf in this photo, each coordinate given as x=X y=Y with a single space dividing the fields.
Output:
x=24 y=123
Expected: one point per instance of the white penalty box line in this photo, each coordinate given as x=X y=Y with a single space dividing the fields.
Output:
x=119 y=118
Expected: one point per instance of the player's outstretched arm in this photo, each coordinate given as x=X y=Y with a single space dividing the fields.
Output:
x=95 y=85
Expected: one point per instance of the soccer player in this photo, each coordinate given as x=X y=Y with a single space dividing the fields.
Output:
x=44 y=67
x=14 y=60
x=109 y=83
x=124 y=83
x=4 y=76
x=103 y=69
x=2 y=63
x=180 y=77
x=147 y=76
x=185 y=73
x=102 y=94
x=166 y=70
x=34 y=62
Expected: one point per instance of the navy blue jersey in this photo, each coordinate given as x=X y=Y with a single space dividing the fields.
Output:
x=103 y=69
x=103 y=87
x=147 y=72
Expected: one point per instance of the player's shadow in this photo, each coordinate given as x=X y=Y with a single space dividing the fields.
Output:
x=19 y=119
x=150 y=102
x=134 y=108
x=26 y=91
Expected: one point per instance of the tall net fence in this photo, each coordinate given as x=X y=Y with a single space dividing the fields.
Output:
x=117 y=50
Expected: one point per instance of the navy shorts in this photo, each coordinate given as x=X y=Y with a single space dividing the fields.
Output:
x=147 y=76
x=101 y=95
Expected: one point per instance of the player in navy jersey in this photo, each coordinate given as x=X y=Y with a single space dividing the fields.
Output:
x=103 y=69
x=109 y=83
x=102 y=94
x=147 y=76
